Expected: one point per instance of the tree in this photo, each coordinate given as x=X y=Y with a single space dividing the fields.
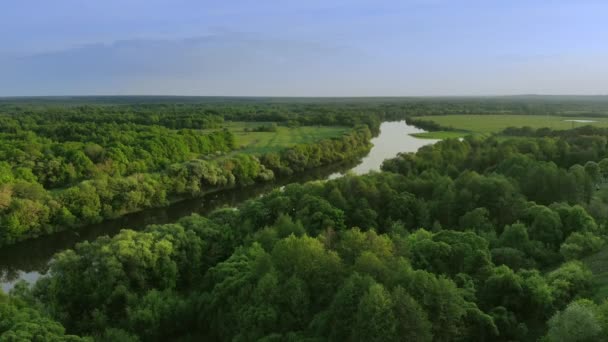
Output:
x=570 y=280
x=442 y=301
x=83 y=201
x=6 y=173
x=412 y=323
x=375 y=318
x=576 y=323
x=6 y=196
x=341 y=317
x=306 y=258
x=593 y=171
x=545 y=225
x=511 y=257
x=578 y=245
x=515 y=236
x=316 y=214
x=18 y=322
x=477 y=220
x=503 y=288
x=575 y=219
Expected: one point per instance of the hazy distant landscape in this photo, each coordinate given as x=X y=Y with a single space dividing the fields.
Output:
x=308 y=171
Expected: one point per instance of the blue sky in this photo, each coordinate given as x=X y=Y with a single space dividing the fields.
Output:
x=303 y=48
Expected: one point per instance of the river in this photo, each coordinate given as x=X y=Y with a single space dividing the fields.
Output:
x=29 y=260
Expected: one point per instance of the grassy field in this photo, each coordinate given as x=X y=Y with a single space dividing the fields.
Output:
x=263 y=142
x=487 y=124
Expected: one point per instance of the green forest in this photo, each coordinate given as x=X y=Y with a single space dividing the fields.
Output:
x=485 y=238
x=69 y=166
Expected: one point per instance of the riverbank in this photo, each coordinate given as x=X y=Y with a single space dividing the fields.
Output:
x=28 y=260
x=439 y=135
x=106 y=197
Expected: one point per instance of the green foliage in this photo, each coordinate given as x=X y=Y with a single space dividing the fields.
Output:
x=75 y=168
x=375 y=320
x=441 y=134
x=473 y=240
x=577 y=322
x=579 y=245
x=412 y=321
x=572 y=279
x=19 y=322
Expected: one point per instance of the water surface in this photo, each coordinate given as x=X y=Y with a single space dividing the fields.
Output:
x=394 y=138
x=29 y=260
x=581 y=120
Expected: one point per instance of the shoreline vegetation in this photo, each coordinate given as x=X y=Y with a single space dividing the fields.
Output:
x=68 y=166
x=91 y=201
x=440 y=135
x=383 y=236
x=498 y=236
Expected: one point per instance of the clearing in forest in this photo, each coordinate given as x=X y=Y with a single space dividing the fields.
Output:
x=250 y=141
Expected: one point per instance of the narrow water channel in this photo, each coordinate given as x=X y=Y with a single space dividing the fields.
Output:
x=29 y=260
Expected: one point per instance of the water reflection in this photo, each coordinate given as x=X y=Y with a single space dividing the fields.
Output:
x=394 y=138
x=29 y=259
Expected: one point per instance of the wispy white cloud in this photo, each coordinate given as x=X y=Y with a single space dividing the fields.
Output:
x=213 y=64
x=289 y=47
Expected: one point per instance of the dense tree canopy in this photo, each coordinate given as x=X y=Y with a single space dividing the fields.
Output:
x=473 y=240
x=433 y=254
x=64 y=167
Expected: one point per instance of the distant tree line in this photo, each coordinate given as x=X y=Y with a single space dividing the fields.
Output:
x=427 y=125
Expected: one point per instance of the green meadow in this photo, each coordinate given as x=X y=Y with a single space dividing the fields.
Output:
x=263 y=142
x=462 y=125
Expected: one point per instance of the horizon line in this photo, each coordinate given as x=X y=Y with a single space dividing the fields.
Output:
x=306 y=96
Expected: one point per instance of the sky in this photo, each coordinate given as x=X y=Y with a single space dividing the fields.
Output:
x=303 y=48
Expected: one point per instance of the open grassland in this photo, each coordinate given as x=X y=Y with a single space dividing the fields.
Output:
x=487 y=124
x=263 y=142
